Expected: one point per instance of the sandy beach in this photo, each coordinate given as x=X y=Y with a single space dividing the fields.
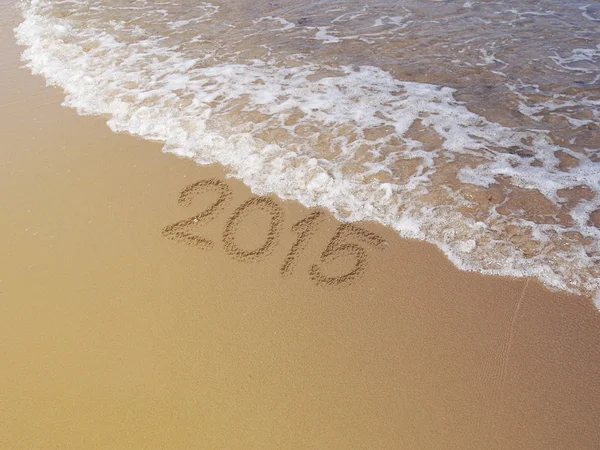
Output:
x=150 y=302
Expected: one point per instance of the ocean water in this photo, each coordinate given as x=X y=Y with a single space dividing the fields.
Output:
x=474 y=125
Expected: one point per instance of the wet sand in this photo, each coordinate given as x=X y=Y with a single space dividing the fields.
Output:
x=113 y=335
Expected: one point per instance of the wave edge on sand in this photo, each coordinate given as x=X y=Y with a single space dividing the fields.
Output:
x=160 y=92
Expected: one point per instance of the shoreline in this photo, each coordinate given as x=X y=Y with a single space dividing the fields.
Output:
x=115 y=336
x=491 y=224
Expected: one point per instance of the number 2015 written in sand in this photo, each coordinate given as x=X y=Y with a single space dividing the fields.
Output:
x=338 y=247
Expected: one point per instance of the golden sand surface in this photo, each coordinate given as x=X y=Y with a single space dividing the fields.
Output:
x=125 y=323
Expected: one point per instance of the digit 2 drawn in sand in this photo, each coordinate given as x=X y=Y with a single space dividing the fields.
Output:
x=255 y=203
x=336 y=250
x=177 y=231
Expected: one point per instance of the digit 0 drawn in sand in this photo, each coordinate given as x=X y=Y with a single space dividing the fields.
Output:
x=231 y=228
x=305 y=228
x=335 y=249
x=177 y=231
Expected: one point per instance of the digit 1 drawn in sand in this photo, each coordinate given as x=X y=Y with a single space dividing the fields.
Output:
x=177 y=231
x=335 y=250
x=305 y=228
x=255 y=203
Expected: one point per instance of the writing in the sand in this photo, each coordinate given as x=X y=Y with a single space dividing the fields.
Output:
x=340 y=245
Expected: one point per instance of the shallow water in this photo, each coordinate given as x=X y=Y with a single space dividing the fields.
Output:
x=471 y=125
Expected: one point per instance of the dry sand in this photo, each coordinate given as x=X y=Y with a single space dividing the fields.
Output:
x=115 y=336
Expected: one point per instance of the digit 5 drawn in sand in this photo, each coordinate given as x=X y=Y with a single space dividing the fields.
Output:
x=336 y=249
x=177 y=231
x=260 y=203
